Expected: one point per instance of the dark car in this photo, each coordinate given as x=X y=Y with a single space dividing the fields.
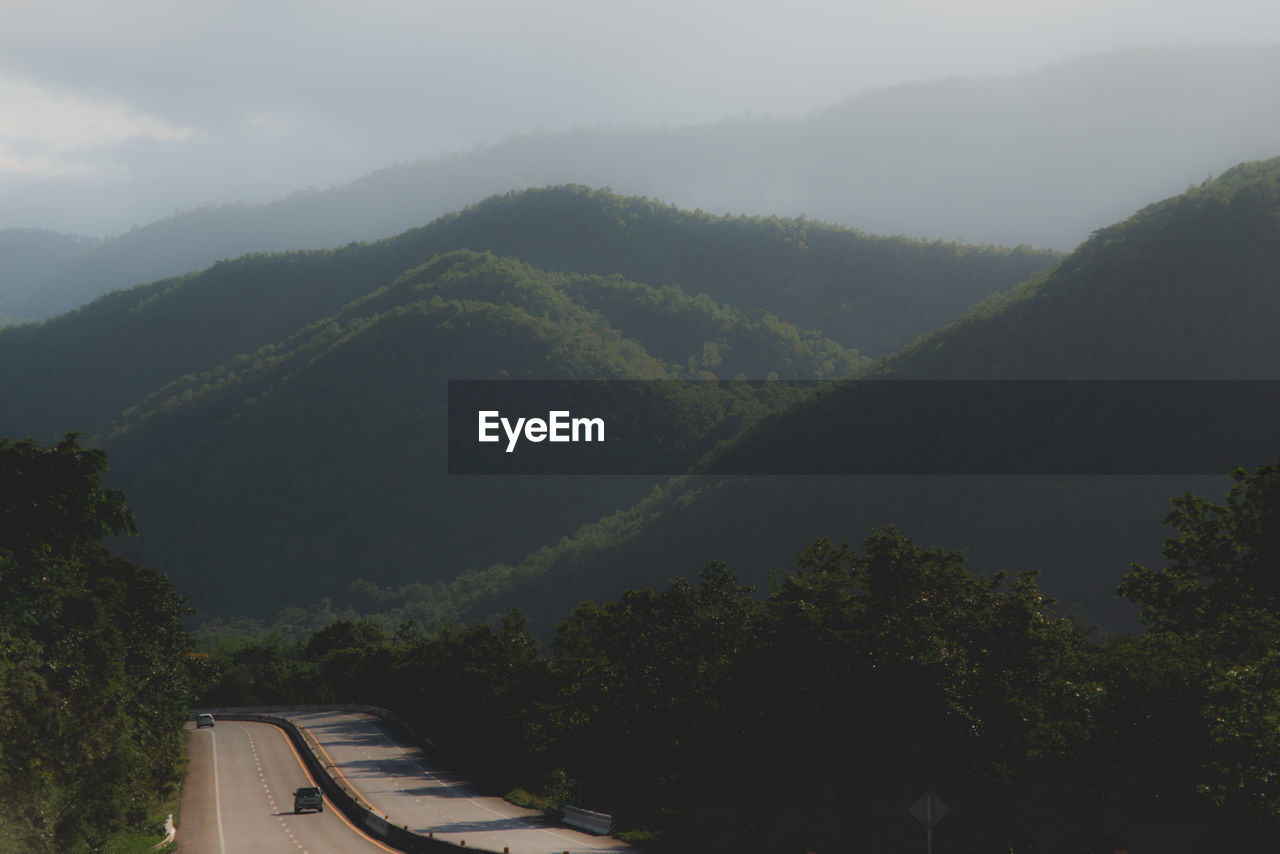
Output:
x=203 y=721
x=308 y=798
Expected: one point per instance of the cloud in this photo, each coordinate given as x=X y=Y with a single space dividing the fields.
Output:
x=293 y=93
x=47 y=133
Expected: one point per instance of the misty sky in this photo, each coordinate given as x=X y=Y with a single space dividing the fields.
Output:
x=116 y=114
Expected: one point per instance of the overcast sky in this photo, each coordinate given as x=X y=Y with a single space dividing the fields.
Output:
x=117 y=113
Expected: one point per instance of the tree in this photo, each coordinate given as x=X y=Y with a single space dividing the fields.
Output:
x=54 y=499
x=1213 y=618
x=1223 y=571
x=93 y=666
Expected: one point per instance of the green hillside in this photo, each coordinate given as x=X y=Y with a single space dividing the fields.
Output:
x=291 y=472
x=1184 y=289
x=82 y=369
x=1187 y=288
x=870 y=293
x=272 y=417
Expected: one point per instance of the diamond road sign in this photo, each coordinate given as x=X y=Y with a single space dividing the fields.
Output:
x=929 y=809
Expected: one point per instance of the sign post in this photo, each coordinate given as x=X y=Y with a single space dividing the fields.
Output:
x=928 y=810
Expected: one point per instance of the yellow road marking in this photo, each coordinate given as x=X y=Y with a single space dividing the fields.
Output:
x=333 y=767
x=335 y=810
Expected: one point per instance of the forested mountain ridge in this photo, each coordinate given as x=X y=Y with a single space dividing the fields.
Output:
x=329 y=447
x=965 y=159
x=82 y=369
x=1186 y=288
x=319 y=375
x=797 y=269
x=329 y=453
x=315 y=352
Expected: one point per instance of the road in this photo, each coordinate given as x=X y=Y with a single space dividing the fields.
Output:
x=238 y=798
x=393 y=776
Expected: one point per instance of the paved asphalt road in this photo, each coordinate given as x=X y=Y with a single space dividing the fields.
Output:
x=380 y=762
x=238 y=798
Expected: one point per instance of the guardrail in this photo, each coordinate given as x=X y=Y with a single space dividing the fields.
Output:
x=594 y=822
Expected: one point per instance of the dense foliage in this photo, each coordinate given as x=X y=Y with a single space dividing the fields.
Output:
x=94 y=679
x=350 y=413
x=813 y=718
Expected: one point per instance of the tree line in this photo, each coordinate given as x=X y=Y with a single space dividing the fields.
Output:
x=809 y=716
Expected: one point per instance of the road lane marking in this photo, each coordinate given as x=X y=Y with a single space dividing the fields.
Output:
x=217 y=797
x=312 y=780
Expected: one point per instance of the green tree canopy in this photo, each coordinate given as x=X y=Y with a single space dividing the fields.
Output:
x=94 y=671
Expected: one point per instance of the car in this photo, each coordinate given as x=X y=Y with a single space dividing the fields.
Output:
x=204 y=721
x=308 y=798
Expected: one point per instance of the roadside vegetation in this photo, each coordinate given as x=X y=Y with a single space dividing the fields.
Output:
x=94 y=667
x=707 y=715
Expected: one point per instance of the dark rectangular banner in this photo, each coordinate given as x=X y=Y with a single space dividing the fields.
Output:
x=871 y=427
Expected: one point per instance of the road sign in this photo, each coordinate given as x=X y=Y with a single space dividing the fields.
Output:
x=929 y=809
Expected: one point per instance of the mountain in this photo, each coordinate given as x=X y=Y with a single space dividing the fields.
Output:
x=292 y=472
x=1184 y=289
x=277 y=421
x=1035 y=158
x=82 y=369
x=309 y=464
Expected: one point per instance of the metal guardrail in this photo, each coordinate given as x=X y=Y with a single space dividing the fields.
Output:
x=594 y=822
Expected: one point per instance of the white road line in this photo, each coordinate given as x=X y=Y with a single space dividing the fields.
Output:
x=217 y=798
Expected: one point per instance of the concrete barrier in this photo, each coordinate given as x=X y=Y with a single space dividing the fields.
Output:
x=592 y=822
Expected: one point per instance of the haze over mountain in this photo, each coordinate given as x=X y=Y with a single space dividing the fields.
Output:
x=1039 y=157
x=118 y=116
x=30 y=257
